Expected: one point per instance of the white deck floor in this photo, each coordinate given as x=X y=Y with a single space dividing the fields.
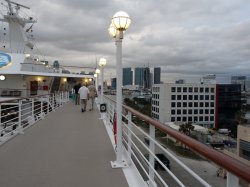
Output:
x=66 y=149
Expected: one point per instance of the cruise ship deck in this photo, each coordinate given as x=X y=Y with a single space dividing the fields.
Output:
x=67 y=148
x=61 y=146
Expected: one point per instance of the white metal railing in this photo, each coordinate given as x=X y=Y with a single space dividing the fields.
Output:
x=18 y=114
x=134 y=143
x=17 y=93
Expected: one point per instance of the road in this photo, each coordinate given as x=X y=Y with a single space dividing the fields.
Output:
x=205 y=169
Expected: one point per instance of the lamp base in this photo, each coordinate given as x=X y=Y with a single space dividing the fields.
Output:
x=115 y=164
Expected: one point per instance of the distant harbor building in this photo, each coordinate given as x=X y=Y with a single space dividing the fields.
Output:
x=242 y=80
x=127 y=76
x=180 y=81
x=139 y=76
x=190 y=102
x=208 y=79
x=157 y=75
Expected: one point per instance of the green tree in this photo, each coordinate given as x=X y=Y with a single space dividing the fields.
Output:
x=186 y=128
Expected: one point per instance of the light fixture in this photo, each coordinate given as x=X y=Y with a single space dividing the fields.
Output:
x=95 y=75
x=121 y=20
x=112 y=30
x=27 y=55
x=90 y=80
x=97 y=71
x=2 y=77
x=65 y=80
x=102 y=62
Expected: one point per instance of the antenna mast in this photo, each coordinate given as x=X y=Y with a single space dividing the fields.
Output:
x=18 y=39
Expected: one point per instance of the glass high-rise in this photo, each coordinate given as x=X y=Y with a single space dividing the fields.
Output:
x=157 y=75
x=127 y=76
x=139 y=76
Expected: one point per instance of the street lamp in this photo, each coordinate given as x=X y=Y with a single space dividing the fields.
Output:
x=119 y=23
x=95 y=75
x=2 y=77
x=97 y=72
x=102 y=63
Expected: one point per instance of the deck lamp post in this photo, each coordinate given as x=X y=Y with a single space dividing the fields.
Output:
x=119 y=23
x=97 y=72
x=102 y=63
x=95 y=75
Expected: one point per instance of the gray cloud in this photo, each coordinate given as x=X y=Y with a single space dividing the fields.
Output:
x=183 y=37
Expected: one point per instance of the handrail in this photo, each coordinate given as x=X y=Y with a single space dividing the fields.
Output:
x=21 y=98
x=26 y=112
x=232 y=165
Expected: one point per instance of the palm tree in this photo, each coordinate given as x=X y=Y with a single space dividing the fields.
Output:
x=186 y=128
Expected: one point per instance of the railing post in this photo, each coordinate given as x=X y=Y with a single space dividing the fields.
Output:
x=232 y=180
x=129 y=116
x=41 y=106
x=53 y=103
x=41 y=109
x=0 y=113
x=20 y=128
x=151 y=157
x=48 y=97
x=32 y=110
x=61 y=102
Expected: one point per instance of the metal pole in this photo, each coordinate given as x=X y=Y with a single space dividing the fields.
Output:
x=101 y=85
x=96 y=83
x=32 y=110
x=151 y=157
x=119 y=95
x=20 y=117
x=232 y=180
x=129 y=116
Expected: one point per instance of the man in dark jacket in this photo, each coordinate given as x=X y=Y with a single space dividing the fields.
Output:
x=76 y=89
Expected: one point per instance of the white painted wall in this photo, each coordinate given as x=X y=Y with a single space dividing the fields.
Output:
x=13 y=82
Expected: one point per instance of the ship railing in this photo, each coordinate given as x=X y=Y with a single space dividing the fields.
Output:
x=16 y=93
x=141 y=142
x=18 y=114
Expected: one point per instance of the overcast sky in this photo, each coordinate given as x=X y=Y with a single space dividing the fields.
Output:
x=190 y=37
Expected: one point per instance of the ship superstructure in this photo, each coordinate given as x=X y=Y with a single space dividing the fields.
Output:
x=22 y=69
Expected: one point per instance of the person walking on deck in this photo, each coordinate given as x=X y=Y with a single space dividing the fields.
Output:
x=92 y=95
x=76 y=89
x=84 y=96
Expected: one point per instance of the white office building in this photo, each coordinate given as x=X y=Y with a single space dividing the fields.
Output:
x=189 y=102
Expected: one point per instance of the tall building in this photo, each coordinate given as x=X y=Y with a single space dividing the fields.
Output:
x=147 y=78
x=139 y=76
x=190 y=102
x=127 y=76
x=157 y=75
x=229 y=103
x=113 y=83
x=239 y=80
